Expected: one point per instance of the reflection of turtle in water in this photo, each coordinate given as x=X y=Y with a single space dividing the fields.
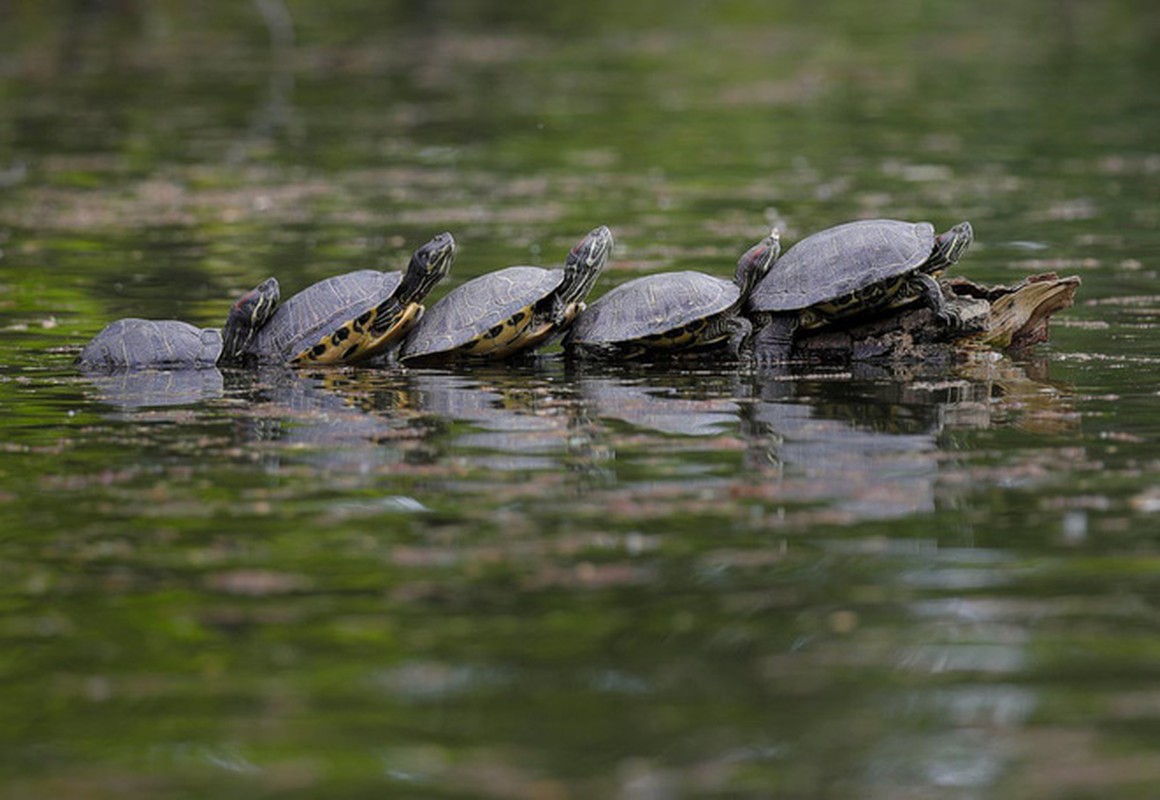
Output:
x=841 y=450
x=673 y=403
x=512 y=310
x=172 y=344
x=355 y=316
x=499 y=419
x=850 y=270
x=674 y=311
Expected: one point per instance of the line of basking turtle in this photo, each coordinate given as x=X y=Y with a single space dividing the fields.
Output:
x=827 y=279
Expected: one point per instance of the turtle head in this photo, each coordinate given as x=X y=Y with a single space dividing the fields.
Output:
x=429 y=265
x=585 y=263
x=251 y=311
x=950 y=246
x=755 y=263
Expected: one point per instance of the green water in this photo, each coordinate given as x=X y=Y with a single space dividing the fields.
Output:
x=549 y=582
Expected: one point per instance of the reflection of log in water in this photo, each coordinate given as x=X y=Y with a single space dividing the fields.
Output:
x=867 y=443
x=870 y=443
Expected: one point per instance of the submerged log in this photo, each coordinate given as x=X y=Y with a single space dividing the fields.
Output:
x=1006 y=317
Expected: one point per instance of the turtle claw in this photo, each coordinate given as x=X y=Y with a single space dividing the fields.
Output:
x=949 y=319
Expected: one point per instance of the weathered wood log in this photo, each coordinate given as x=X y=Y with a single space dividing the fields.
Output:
x=1005 y=317
x=1020 y=313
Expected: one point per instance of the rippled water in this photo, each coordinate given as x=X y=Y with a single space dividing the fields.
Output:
x=546 y=580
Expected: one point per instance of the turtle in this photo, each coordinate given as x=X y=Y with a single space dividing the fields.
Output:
x=509 y=311
x=133 y=343
x=852 y=270
x=673 y=311
x=355 y=316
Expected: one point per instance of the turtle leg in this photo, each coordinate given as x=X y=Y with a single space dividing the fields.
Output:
x=740 y=330
x=559 y=312
x=926 y=287
x=774 y=341
x=572 y=312
x=559 y=321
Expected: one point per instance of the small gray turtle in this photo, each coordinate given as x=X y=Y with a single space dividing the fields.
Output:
x=851 y=270
x=132 y=343
x=353 y=317
x=509 y=311
x=674 y=311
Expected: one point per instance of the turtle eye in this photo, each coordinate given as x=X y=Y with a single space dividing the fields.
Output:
x=244 y=299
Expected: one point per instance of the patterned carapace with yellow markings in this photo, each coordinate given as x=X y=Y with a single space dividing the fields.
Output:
x=509 y=311
x=352 y=317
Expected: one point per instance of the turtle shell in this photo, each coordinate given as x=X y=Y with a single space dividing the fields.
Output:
x=134 y=343
x=841 y=261
x=483 y=305
x=652 y=305
x=318 y=310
